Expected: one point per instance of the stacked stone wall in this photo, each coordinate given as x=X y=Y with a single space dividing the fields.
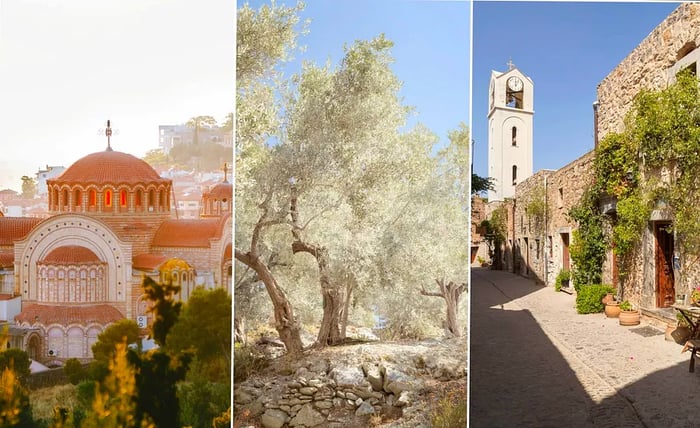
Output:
x=652 y=65
x=647 y=66
x=541 y=258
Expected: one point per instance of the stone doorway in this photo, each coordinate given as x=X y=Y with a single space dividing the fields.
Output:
x=665 y=290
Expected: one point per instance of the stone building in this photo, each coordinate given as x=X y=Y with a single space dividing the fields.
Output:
x=110 y=224
x=652 y=281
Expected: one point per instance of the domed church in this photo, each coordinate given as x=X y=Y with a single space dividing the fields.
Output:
x=64 y=279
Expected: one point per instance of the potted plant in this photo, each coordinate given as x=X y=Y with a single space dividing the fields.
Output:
x=628 y=315
x=679 y=331
x=695 y=296
x=562 y=280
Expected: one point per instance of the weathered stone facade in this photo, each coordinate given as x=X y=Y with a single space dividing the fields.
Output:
x=651 y=65
x=669 y=48
x=539 y=231
x=540 y=251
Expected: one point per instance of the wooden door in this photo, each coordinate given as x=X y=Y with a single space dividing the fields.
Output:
x=664 y=266
x=565 y=251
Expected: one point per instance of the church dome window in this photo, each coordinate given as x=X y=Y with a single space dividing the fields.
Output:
x=138 y=200
x=92 y=200
x=77 y=198
x=108 y=197
x=64 y=202
x=122 y=198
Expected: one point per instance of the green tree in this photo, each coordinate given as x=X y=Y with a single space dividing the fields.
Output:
x=481 y=184
x=204 y=327
x=74 y=370
x=156 y=157
x=228 y=123
x=158 y=373
x=17 y=360
x=115 y=403
x=264 y=39
x=199 y=122
x=123 y=330
x=28 y=187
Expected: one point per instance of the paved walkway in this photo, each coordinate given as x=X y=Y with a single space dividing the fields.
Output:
x=535 y=362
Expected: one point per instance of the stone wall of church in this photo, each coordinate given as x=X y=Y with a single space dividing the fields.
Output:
x=647 y=66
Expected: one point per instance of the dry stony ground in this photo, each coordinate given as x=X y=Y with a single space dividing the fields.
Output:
x=381 y=384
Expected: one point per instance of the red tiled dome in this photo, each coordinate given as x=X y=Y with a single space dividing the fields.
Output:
x=109 y=167
x=221 y=191
x=71 y=254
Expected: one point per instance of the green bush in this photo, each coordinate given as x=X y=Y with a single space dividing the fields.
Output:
x=564 y=276
x=74 y=370
x=588 y=298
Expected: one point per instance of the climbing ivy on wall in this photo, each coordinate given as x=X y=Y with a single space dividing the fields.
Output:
x=655 y=161
x=535 y=207
x=589 y=244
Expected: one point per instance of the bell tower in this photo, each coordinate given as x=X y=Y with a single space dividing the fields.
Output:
x=510 y=131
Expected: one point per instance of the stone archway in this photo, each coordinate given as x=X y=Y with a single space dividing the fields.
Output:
x=34 y=347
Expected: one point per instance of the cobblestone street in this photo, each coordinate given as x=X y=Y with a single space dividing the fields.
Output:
x=535 y=362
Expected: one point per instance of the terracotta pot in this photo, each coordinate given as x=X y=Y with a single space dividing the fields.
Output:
x=608 y=299
x=628 y=318
x=612 y=310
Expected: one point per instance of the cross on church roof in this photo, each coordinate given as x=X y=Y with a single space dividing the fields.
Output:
x=225 y=172
x=510 y=64
x=108 y=133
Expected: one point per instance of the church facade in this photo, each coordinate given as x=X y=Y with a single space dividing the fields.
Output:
x=111 y=223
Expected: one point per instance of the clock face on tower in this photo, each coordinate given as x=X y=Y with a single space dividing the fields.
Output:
x=515 y=84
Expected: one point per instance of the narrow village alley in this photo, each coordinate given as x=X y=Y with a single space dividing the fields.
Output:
x=535 y=362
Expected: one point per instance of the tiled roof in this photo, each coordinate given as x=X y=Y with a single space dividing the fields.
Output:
x=7 y=260
x=14 y=228
x=188 y=233
x=223 y=190
x=71 y=254
x=109 y=167
x=68 y=314
x=148 y=262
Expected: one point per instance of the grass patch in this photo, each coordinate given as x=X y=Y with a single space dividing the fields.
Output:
x=450 y=410
x=44 y=400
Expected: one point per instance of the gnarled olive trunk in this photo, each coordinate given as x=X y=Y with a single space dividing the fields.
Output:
x=333 y=295
x=285 y=323
x=451 y=292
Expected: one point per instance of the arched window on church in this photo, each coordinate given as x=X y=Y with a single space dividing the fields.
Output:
x=161 y=200
x=515 y=174
x=108 y=197
x=138 y=200
x=151 y=199
x=122 y=198
x=77 y=198
x=64 y=203
x=92 y=199
x=514 y=131
x=55 y=199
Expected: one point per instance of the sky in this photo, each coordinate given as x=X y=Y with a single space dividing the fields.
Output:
x=566 y=49
x=67 y=67
x=431 y=49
